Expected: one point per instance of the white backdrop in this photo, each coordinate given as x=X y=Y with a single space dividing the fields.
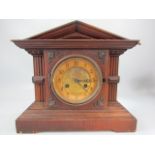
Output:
x=136 y=90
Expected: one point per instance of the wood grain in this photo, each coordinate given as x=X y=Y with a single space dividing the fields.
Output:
x=114 y=118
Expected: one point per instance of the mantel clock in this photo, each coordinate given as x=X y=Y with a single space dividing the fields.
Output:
x=75 y=80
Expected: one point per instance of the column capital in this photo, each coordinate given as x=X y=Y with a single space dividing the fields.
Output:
x=34 y=51
x=117 y=52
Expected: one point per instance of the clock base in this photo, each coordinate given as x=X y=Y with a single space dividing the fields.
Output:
x=38 y=118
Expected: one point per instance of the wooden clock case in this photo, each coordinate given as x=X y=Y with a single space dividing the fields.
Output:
x=47 y=112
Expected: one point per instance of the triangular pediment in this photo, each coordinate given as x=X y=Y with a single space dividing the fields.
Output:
x=76 y=30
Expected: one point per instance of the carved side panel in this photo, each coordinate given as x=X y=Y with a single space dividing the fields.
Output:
x=38 y=78
x=113 y=74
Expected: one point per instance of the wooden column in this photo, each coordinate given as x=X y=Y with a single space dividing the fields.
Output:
x=48 y=58
x=113 y=74
x=38 y=78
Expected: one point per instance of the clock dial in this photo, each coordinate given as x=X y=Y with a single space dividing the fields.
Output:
x=76 y=79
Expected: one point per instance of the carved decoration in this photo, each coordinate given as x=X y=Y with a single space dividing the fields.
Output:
x=51 y=102
x=101 y=55
x=51 y=55
x=100 y=101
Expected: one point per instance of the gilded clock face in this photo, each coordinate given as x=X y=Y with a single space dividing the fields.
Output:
x=76 y=79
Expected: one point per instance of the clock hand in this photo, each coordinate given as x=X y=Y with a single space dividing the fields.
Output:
x=78 y=82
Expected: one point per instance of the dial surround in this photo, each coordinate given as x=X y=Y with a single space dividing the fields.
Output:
x=76 y=79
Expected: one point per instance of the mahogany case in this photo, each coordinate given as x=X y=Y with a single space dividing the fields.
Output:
x=104 y=112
